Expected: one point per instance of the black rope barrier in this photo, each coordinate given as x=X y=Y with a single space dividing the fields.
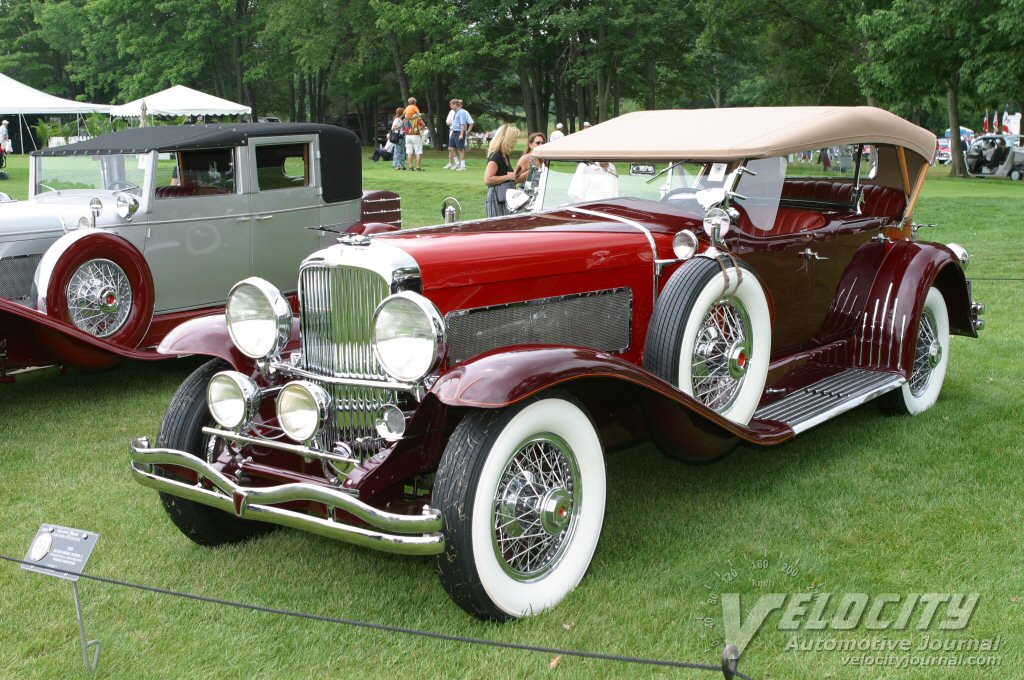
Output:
x=728 y=668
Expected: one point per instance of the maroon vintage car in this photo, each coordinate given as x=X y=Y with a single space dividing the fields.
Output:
x=126 y=236
x=453 y=390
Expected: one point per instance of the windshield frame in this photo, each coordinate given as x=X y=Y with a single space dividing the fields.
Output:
x=108 y=165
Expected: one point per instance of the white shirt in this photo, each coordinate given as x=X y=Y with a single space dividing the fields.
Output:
x=3 y=133
x=451 y=117
x=557 y=134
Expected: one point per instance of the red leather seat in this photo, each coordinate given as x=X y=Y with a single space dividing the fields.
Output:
x=879 y=201
x=787 y=221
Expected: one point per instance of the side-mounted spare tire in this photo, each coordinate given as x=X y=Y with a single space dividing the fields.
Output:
x=710 y=336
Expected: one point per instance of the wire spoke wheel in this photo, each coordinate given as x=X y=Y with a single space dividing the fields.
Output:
x=534 y=507
x=99 y=297
x=928 y=354
x=720 y=355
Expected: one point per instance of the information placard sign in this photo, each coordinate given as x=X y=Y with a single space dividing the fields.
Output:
x=61 y=548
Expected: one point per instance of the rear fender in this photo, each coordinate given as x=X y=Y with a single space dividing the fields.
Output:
x=885 y=330
x=208 y=336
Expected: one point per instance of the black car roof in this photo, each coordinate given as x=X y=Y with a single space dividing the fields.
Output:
x=341 y=157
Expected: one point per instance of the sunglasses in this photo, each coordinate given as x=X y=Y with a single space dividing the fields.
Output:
x=537 y=142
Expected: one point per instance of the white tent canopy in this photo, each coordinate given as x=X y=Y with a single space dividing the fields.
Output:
x=180 y=101
x=18 y=98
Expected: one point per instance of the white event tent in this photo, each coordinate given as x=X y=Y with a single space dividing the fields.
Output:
x=179 y=101
x=19 y=99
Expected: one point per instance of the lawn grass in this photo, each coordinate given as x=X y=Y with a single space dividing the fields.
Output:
x=864 y=503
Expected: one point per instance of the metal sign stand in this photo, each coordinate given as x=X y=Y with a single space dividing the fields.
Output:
x=68 y=550
x=90 y=665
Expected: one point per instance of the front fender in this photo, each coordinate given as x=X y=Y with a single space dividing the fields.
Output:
x=208 y=336
x=20 y=330
x=501 y=378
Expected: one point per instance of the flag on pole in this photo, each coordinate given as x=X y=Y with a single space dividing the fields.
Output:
x=984 y=127
x=995 y=122
x=1006 y=123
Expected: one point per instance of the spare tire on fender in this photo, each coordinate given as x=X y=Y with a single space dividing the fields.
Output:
x=710 y=336
x=100 y=284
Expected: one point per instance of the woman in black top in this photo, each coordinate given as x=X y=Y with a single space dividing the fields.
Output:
x=500 y=175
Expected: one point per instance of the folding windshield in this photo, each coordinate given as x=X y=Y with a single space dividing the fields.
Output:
x=108 y=172
x=760 y=188
x=569 y=182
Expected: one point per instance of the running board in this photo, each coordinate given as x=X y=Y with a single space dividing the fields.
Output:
x=827 y=398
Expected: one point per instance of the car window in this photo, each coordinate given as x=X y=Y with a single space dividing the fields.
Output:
x=570 y=182
x=282 y=166
x=101 y=172
x=761 y=189
x=206 y=172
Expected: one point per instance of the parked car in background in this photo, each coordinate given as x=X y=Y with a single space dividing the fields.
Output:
x=996 y=156
x=114 y=247
x=454 y=390
x=942 y=150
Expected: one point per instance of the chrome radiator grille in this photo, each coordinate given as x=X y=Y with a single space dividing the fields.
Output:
x=600 y=320
x=16 y=275
x=337 y=305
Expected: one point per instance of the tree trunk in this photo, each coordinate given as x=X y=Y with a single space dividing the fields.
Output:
x=526 y=88
x=403 y=79
x=650 y=85
x=956 y=150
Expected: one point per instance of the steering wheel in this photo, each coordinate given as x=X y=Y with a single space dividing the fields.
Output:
x=124 y=185
x=680 y=191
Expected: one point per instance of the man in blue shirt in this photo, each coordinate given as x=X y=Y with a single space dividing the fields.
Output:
x=462 y=124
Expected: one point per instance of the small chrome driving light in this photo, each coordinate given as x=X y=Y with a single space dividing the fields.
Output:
x=684 y=245
x=961 y=254
x=233 y=399
x=303 y=409
x=127 y=206
x=259 y=318
x=716 y=223
x=391 y=423
x=409 y=338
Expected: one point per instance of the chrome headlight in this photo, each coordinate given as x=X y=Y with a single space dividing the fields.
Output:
x=233 y=399
x=126 y=206
x=408 y=336
x=259 y=318
x=684 y=245
x=302 y=409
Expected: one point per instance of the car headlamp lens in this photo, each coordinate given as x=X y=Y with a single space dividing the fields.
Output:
x=408 y=336
x=302 y=409
x=684 y=245
x=259 y=318
x=233 y=399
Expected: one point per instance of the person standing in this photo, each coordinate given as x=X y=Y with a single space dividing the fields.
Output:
x=499 y=175
x=397 y=137
x=453 y=157
x=462 y=125
x=413 y=138
x=5 y=138
x=526 y=161
x=557 y=134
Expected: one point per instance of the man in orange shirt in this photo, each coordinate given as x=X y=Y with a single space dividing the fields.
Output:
x=413 y=139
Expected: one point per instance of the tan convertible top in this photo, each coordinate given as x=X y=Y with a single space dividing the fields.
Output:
x=755 y=132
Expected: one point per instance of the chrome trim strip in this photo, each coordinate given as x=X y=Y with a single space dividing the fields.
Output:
x=297 y=449
x=881 y=324
x=622 y=220
x=295 y=371
x=424 y=537
x=892 y=331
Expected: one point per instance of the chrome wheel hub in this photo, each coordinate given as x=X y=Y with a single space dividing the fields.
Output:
x=99 y=298
x=535 y=507
x=721 y=355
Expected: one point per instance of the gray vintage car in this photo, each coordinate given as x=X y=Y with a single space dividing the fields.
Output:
x=125 y=236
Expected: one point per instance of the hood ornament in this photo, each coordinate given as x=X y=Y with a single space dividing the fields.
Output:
x=355 y=240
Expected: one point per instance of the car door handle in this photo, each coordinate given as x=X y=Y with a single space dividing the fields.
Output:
x=260 y=218
x=809 y=254
x=241 y=219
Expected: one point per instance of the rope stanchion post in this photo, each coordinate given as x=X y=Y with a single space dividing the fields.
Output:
x=730 y=661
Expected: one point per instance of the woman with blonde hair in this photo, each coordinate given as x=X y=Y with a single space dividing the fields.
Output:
x=500 y=174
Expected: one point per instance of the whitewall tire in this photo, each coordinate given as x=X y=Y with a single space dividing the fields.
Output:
x=931 y=359
x=710 y=335
x=522 y=493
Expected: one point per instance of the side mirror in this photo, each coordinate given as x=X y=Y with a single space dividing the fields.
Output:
x=517 y=199
x=127 y=206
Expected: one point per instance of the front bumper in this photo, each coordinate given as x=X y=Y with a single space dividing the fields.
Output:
x=394 y=533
